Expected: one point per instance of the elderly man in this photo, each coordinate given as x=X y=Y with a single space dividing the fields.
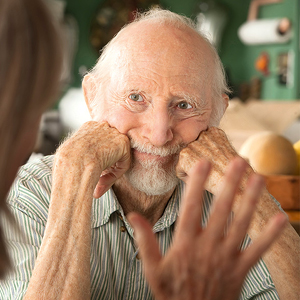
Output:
x=154 y=95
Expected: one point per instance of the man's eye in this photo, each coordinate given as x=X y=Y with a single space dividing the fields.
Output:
x=184 y=105
x=136 y=97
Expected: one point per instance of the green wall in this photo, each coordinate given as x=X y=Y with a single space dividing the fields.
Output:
x=237 y=58
x=86 y=56
x=83 y=11
x=240 y=59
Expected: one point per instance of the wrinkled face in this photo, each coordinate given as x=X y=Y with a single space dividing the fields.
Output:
x=159 y=96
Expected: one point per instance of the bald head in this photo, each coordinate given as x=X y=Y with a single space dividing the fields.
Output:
x=153 y=45
x=164 y=44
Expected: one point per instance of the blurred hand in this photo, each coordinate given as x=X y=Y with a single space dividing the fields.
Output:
x=206 y=263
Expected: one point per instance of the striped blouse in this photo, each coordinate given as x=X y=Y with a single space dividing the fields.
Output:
x=116 y=270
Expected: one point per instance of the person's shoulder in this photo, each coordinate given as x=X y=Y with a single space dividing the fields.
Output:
x=31 y=190
x=34 y=177
x=38 y=168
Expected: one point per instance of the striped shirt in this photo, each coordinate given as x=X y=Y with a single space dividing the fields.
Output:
x=116 y=270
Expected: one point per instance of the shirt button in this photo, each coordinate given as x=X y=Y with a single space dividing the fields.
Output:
x=122 y=228
x=138 y=256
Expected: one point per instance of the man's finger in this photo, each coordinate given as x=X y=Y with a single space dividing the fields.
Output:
x=223 y=202
x=190 y=216
x=147 y=244
x=109 y=176
x=187 y=159
x=103 y=185
x=243 y=216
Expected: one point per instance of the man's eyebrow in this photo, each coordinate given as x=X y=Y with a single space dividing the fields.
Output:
x=198 y=101
x=129 y=87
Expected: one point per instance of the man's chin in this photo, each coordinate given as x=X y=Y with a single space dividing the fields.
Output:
x=154 y=188
x=153 y=179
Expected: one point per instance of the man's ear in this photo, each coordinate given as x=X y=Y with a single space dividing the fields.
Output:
x=225 y=101
x=89 y=91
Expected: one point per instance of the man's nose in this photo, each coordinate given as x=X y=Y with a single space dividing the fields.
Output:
x=158 y=127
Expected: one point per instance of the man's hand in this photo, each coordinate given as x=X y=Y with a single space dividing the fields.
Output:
x=211 y=145
x=206 y=263
x=283 y=257
x=99 y=149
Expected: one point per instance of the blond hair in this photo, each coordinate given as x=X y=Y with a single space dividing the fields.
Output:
x=30 y=60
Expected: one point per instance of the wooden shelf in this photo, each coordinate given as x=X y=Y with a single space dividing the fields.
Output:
x=294 y=217
x=285 y=189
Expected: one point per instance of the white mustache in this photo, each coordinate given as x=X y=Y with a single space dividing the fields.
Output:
x=150 y=149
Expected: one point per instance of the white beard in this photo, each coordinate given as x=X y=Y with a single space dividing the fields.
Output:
x=151 y=176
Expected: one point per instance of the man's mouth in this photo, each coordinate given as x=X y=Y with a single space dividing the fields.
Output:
x=143 y=156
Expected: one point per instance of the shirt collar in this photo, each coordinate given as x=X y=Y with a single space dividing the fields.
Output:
x=108 y=204
x=104 y=207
